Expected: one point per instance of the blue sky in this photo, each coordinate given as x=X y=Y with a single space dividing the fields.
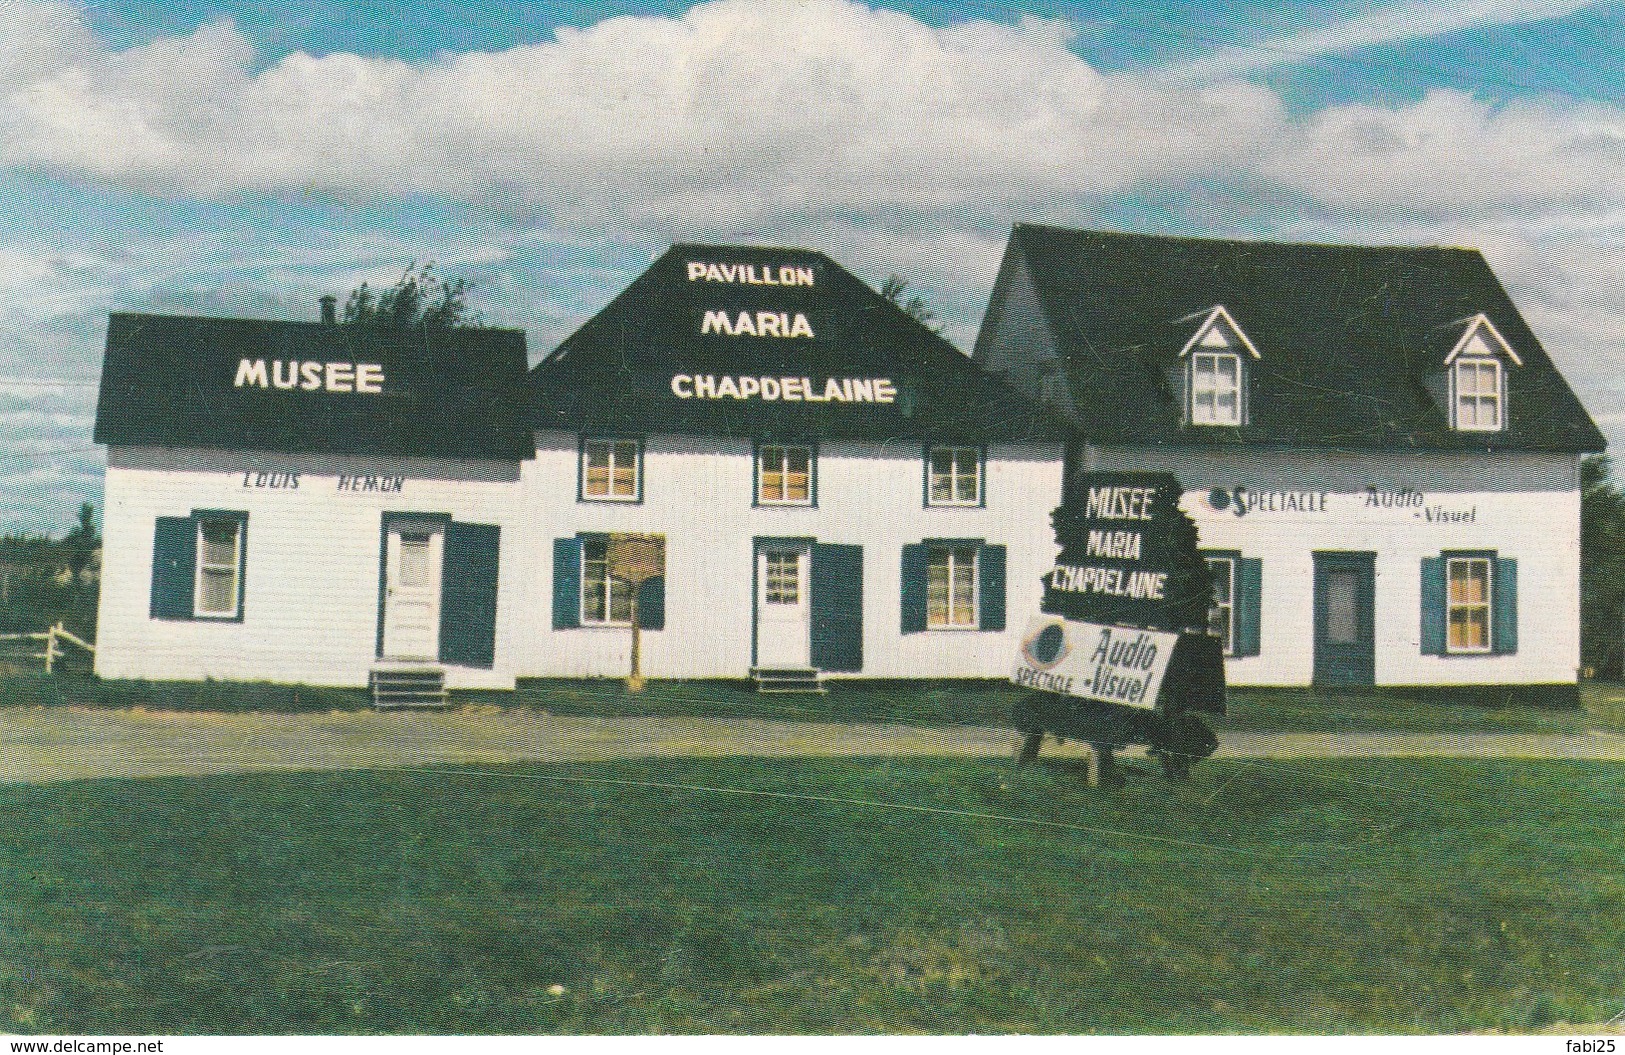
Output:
x=246 y=158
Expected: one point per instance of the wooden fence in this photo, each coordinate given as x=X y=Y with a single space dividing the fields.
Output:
x=48 y=647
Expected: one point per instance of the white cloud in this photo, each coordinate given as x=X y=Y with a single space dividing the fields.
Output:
x=1373 y=26
x=897 y=146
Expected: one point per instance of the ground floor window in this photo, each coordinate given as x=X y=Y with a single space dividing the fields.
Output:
x=197 y=566
x=1469 y=604
x=1221 y=618
x=950 y=588
x=1236 y=615
x=219 y=550
x=783 y=585
x=1468 y=598
x=595 y=577
x=606 y=600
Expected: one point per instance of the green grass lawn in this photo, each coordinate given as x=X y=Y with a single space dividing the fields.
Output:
x=988 y=703
x=846 y=895
x=936 y=703
x=38 y=690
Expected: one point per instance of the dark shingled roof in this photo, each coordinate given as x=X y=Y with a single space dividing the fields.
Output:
x=615 y=372
x=1352 y=339
x=169 y=381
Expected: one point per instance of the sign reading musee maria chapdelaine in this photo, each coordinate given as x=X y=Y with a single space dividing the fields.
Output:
x=1111 y=664
x=1128 y=554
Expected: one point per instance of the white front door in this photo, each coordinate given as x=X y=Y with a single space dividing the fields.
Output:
x=412 y=590
x=783 y=608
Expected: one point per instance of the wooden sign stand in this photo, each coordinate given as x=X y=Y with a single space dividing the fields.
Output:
x=635 y=559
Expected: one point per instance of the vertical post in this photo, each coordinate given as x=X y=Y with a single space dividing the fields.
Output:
x=50 y=648
x=634 y=681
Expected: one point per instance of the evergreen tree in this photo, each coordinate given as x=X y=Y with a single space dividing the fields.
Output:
x=1602 y=569
x=419 y=298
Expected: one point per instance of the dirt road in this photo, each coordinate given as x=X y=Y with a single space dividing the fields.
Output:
x=51 y=744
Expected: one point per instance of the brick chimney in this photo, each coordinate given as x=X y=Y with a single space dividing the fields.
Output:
x=330 y=310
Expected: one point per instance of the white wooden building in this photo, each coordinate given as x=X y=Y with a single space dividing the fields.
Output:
x=840 y=491
x=837 y=491
x=307 y=502
x=1381 y=459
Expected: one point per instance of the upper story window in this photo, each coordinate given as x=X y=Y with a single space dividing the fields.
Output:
x=1477 y=367
x=1215 y=388
x=1478 y=394
x=1216 y=359
x=610 y=470
x=784 y=475
x=954 y=476
x=219 y=567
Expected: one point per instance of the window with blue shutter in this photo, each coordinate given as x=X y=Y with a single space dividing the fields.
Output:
x=953 y=584
x=198 y=566
x=1432 y=606
x=652 y=604
x=174 y=564
x=566 y=583
x=468 y=594
x=1504 y=612
x=916 y=562
x=990 y=587
x=1249 y=605
x=1469 y=604
x=836 y=585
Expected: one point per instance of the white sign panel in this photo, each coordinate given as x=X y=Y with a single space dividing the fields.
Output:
x=1112 y=664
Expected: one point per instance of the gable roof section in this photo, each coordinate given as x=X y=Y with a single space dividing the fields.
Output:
x=615 y=374
x=171 y=381
x=1354 y=340
x=1218 y=321
x=1480 y=333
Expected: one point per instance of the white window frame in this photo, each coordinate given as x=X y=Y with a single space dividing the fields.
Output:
x=952 y=551
x=1227 y=605
x=614 y=444
x=1215 y=356
x=604 y=585
x=954 y=477
x=1479 y=398
x=203 y=567
x=784 y=450
x=777 y=588
x=1488 y=605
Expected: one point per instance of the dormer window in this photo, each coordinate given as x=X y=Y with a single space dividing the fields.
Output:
x=1216 y=370
x=1215 y=388
x=1478 y=394
x=1478 y=377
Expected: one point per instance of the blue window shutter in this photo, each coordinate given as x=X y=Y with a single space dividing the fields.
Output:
x=468 y=594
x=1248 y=607
x=1433 y=614
x=916 y=561
x=1505 y=603
x=836 y=583
x=652 y=603
x=990 y=601
x=174 y=568
x=566 y=583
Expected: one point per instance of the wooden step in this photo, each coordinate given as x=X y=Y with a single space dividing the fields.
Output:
x=788 y=679
x=408 y=686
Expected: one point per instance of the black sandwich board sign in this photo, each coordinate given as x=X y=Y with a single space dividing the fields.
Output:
x=1120 y=654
